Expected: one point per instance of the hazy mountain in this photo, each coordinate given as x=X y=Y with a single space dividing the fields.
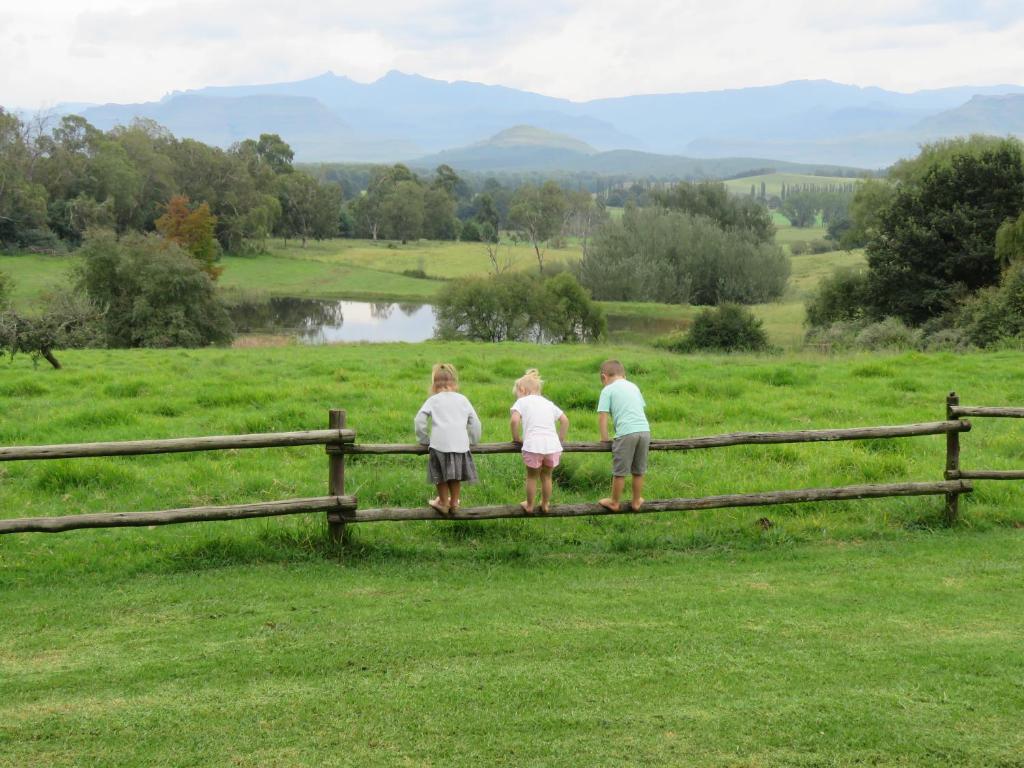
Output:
x=313 y=131
x=998 y=115
x=436 y=114
x=401 y=116
x=526 y=149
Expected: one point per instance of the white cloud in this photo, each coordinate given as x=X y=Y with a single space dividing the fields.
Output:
x=114 y=50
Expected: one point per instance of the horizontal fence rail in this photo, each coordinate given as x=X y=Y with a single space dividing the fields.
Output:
x=986 y=474
x=178 y=445
x=172 y=516
x=842 y=493
x=696 y=443
x=958 y=411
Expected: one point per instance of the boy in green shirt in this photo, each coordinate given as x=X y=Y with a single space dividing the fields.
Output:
x=622 y=400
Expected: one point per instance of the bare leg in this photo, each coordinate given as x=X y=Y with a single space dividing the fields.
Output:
x=441 y=503
x=545 y=488
x=531 y=489
x=618 y=484
x=454 y=489
x=638 y=492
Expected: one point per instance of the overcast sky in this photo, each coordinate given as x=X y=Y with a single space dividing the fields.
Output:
x=138 y=50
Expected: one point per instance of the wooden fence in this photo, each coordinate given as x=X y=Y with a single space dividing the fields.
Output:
x=343 y=509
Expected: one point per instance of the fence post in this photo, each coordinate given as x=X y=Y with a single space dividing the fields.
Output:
x=952 y=461
x=336 y=472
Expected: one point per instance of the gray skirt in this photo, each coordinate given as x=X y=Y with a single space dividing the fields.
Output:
x=446 y=467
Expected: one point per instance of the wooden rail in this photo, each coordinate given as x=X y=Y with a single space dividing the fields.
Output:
x=986 y=474
x=697 y=443
x=178 y=445
x=172 y=516
x=842 y=493
x=973 y=410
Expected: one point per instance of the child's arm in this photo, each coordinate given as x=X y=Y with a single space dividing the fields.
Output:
x=602 y=424
x=473 y=427
x=420 y=423
x=516 y=423
x=563 y=427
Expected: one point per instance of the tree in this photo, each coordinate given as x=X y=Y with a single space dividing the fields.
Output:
x=6 y=286
x=801 y=208
x=152 y=293
x=22 y=201
x=68 y=320
x=654 y=254
x=1010 y=241
x=402 y=211
x=269 y=152
x=487 y=211
x=712 y=199
x=537 y=213
x=439 y=222
x=937 y=235
x=871 y=198
x=192 y=228
x=449 y=182
x=308 y=208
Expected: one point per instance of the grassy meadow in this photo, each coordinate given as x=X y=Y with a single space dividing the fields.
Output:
x=374 y=271
x=859 y=633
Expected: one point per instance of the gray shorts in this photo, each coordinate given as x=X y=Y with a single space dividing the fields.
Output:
x=629 y=454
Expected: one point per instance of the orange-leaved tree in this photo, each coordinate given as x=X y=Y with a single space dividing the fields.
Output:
x=192 y=229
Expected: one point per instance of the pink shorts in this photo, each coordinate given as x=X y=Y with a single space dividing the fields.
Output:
x=537 y=460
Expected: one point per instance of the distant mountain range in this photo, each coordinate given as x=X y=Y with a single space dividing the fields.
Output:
x=405 y=117
x=529 y=149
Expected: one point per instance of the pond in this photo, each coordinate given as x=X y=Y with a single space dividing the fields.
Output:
x=315 y=321
x=318 y=321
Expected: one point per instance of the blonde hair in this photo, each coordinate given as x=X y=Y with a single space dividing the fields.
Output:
x=529 y=383
x=612 y=368
x=444 y=378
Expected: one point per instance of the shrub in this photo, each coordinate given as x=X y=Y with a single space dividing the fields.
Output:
x=152 y=293
x=890 y=333
x=729 y=327
x=516 y=307
x=470 y=232
x=835 y=337
x=842 y=296
x=947 y=340
x=994 y=314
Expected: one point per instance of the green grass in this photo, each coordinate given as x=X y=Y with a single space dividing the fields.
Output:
x=272 y=275
x=34 y=275
x=854 y=633
x=438 y=259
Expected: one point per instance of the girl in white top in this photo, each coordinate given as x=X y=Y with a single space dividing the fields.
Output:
x=533 y=424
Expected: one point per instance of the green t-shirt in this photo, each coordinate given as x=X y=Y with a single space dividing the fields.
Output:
x=622 y=399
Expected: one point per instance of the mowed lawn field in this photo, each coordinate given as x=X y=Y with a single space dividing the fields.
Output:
x=860 y=633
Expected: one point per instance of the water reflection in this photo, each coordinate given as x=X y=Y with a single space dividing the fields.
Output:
x=314 y=321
